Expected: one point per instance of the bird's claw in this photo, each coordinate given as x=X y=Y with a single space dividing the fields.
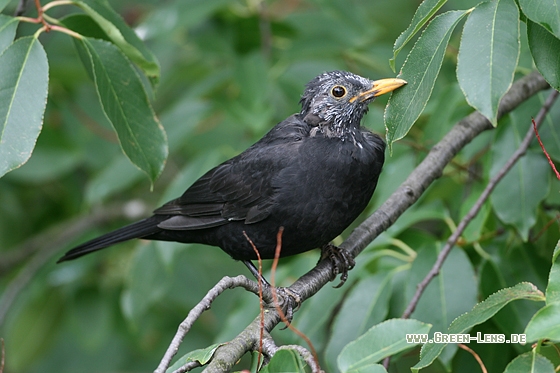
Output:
x=289 y=301
x=341 y=259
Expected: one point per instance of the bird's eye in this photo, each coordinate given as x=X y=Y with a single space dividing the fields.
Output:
x=338 y=91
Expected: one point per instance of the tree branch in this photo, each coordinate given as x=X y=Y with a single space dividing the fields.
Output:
x=222 y=285
x=21 y=7
x=419 y=180
x=408 y=192
x=45 y=245
x=477 y=206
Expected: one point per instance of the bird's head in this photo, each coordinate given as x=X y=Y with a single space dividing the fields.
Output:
x=335 y=102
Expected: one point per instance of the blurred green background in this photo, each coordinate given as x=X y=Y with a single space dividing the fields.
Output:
x=230 y=71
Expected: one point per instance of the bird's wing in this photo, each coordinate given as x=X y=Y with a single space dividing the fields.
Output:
x=238 y=189
x=234 y=190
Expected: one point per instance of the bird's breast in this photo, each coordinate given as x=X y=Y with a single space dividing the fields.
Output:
x=328 y=184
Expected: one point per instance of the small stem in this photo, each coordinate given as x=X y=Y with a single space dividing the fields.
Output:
x=544 y=150
x=391 y=253
x=450 y=223
x=28 y=19
x=66 y=31
x=50 y=19
x=38 y=32
x=261 y=302
x=40 y=12
x=480 y=251
x=43 y=18
x=404 y=247
x=52 y=4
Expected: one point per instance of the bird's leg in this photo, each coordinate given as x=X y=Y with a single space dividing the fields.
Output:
x=341 y=260
x=293 y=299
x=256 y=272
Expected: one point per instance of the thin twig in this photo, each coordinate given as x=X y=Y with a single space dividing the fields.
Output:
x=279 y=309
x=265 y=30
x=475 y=355
x=3 y=360
x=40 y=15
x=188 y=366
x=545 y=228
x=544 y=150
x=222 y=285
x=61 y=234
x=309 y=358
x=273 y=277
x=476 y=207
x=261 y=303
x=20 y=8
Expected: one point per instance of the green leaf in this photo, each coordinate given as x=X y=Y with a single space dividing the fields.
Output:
x=382 y=340
x=365 y=305
x=8 y=26
x=493 y=277
x=32 y=327
x=373 y=368
x=545 y=324
x=47 y=165
x=420 y=70
x=425 y=11
x=285 y=361
x=488 y=55
x=544 y=47
x=126 y=105
x=550 y=351
x=553 y=287
x=93 y=318
x=147 y=282
x=556 y=252
x=479 y=314
x=202 y=355
x=122 y=36
x=24 y=76
x=516 y=197
x=544 y=12
x=530 y=362
x=115 y=177
x=3 y=4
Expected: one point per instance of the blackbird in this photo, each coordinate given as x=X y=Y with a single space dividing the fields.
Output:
x=311 y=174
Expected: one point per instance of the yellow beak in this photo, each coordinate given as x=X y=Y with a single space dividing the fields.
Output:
x=379 y=87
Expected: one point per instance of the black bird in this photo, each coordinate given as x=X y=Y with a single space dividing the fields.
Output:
x=312 y=174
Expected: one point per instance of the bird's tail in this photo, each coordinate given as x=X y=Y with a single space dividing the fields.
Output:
x=142 y=228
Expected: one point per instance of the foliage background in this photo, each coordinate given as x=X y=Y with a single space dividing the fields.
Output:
x=230 y=70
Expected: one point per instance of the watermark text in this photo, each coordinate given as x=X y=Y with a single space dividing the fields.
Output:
x=465 y=338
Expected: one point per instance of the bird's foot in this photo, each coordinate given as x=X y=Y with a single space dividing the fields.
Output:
x=341 y=259
x=287 y=300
